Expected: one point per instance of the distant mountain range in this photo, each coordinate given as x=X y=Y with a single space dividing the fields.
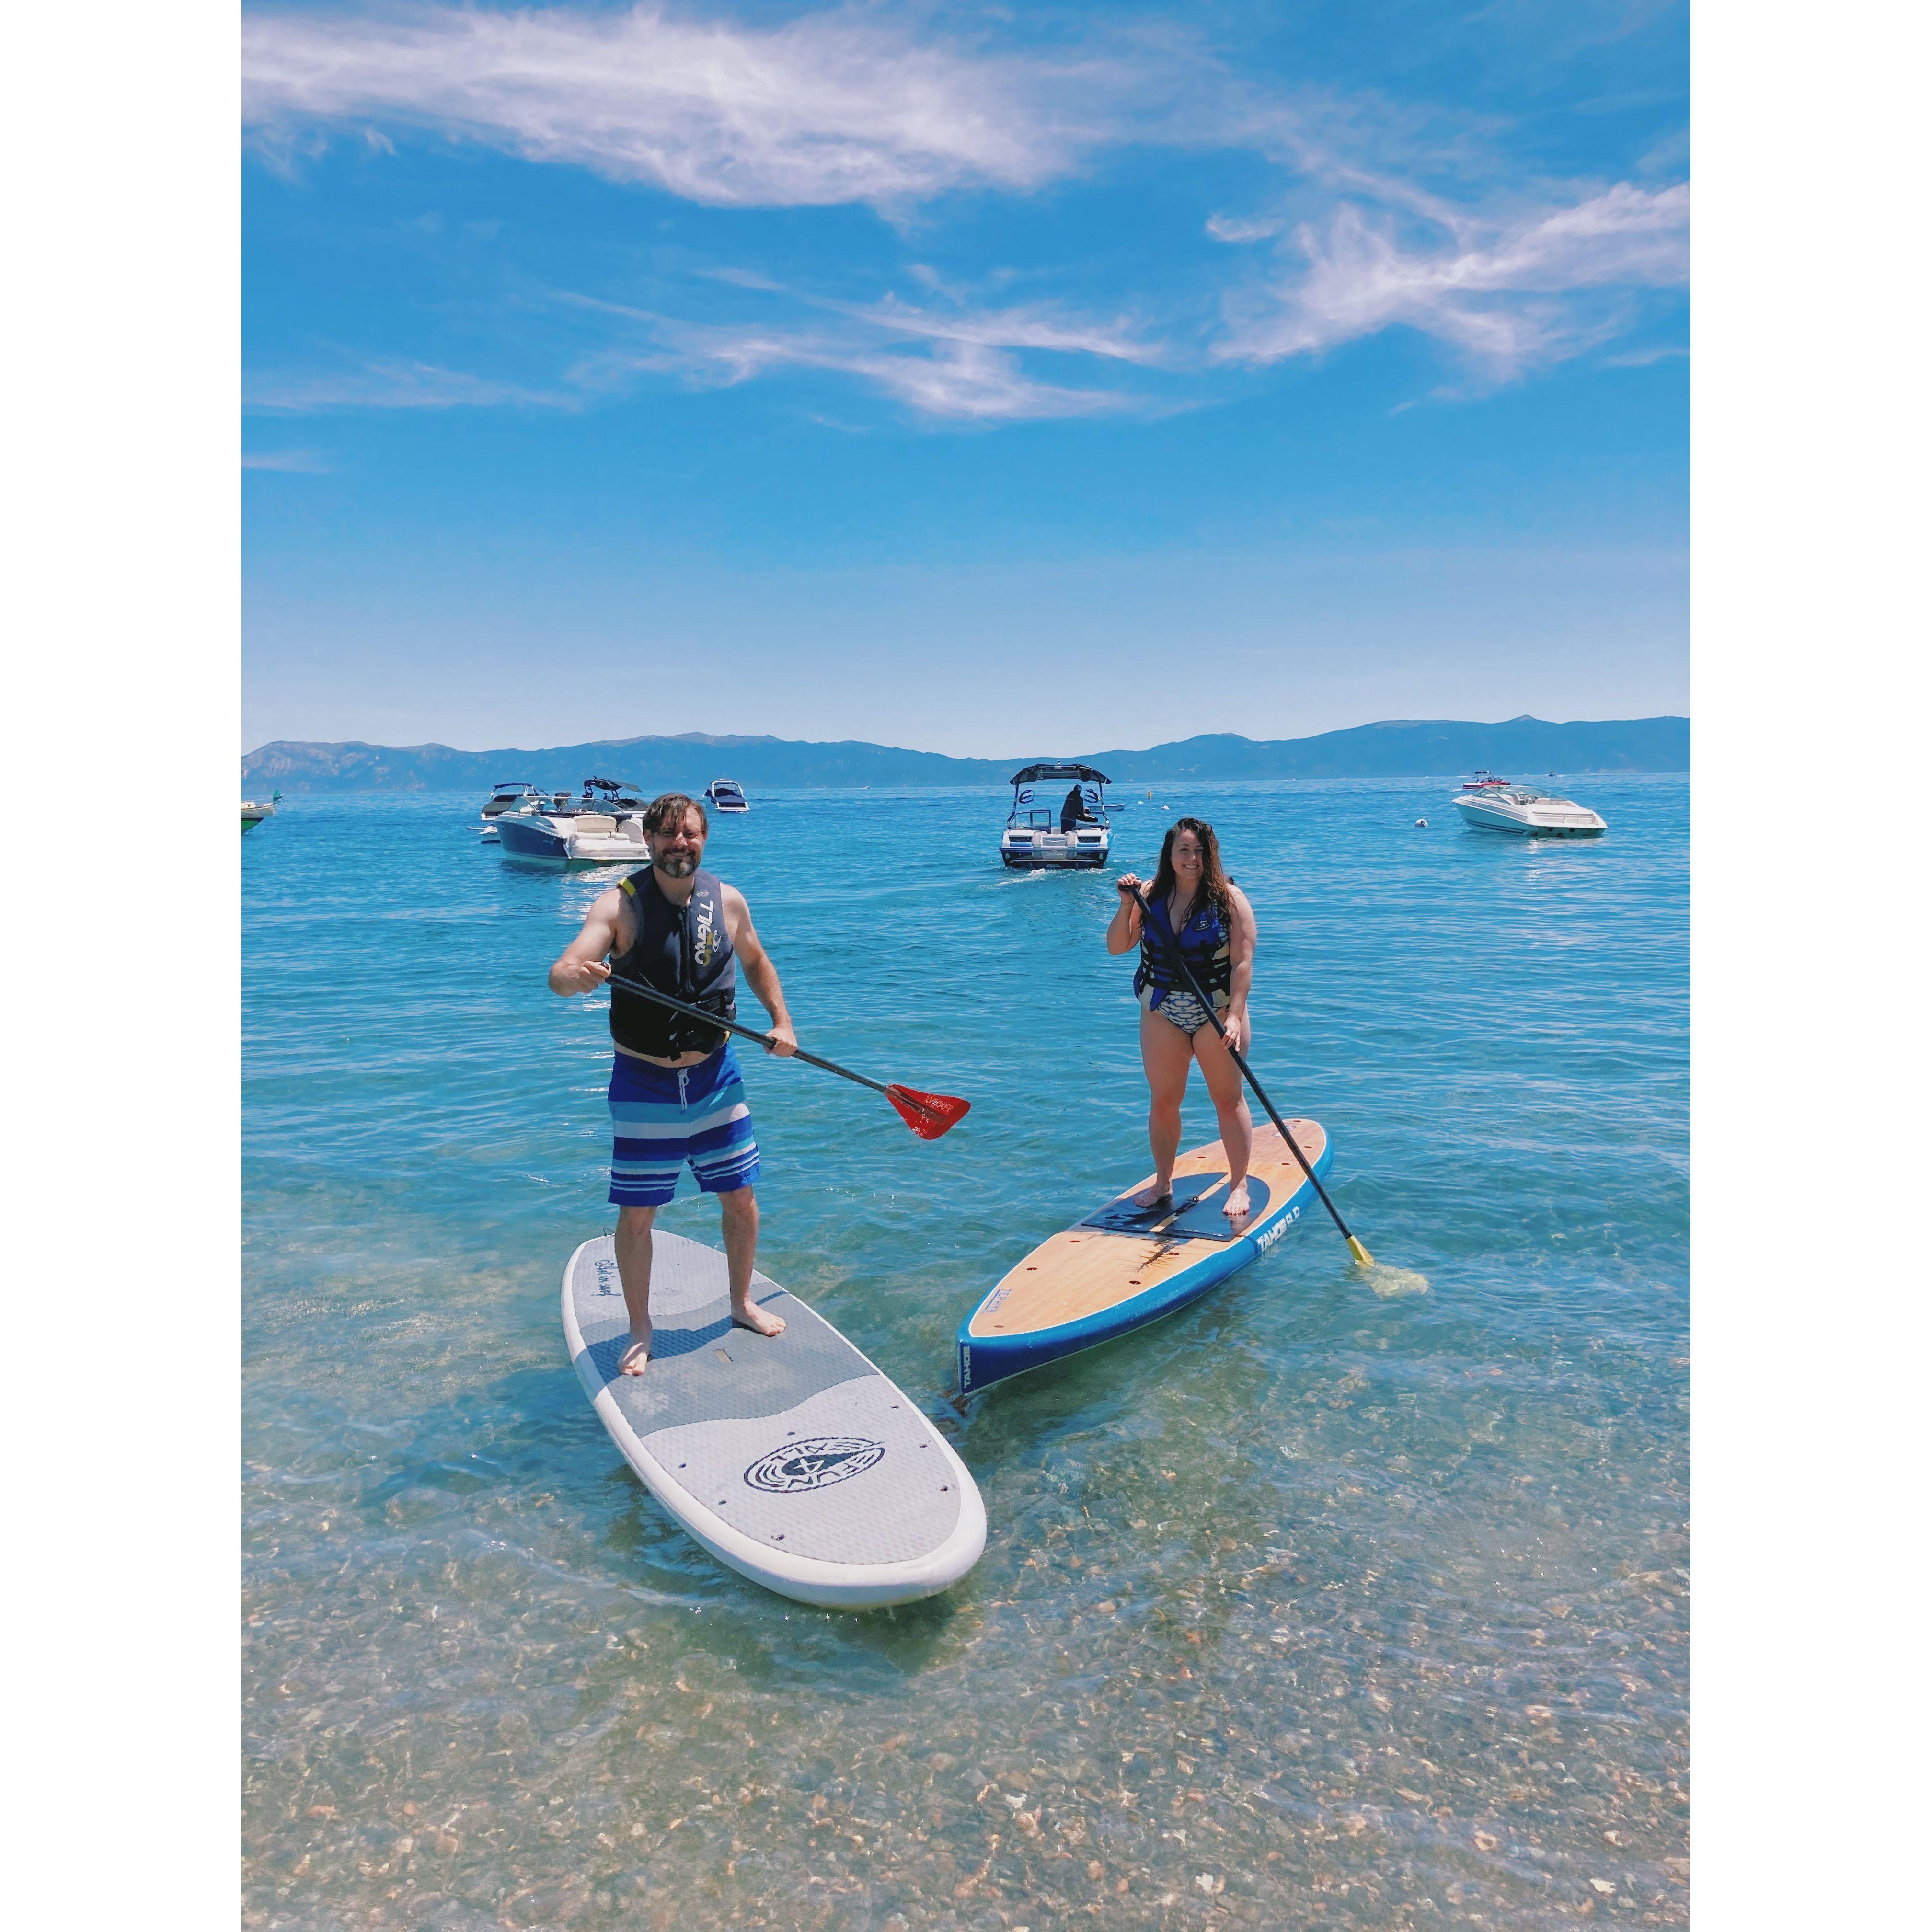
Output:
x=1398 y=747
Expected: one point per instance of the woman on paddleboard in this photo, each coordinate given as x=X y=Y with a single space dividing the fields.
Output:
x=1202 y=909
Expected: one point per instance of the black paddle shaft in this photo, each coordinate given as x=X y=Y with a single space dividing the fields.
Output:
x=764 y=1040
x=1175 y=954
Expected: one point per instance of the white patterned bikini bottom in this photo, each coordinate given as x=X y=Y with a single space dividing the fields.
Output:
x=1178 y=1007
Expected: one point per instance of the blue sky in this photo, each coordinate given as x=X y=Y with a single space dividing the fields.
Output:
x=976 y=378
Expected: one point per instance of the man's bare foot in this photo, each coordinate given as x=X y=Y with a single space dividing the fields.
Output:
x=1236 y=1206
x=1149 y=1198
x=636 y=1354
x=751 y=1316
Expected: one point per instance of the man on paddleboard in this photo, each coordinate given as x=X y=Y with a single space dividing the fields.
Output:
x=676 y=1095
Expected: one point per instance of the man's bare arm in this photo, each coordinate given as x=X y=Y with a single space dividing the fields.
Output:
x=759 y=972
x=579 y=968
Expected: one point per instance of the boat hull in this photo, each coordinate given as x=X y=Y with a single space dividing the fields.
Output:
x=1176 y=1268
x=537 y=840
x=1486 y=817
x=1055 y=851
x=609 y=852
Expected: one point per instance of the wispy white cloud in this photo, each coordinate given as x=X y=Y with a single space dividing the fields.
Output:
x=963 y=365
x=296 y=462
x=1231 y=228
x=1645 y=358
x=392 y=386
x=1507 y=294
x=954 y=380
x=1385 y=214
x=831 y=107
x=1037 y=327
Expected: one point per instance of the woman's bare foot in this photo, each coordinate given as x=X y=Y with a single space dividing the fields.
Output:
x=1149 y=1198
x=1236 y=1206
x=750 y=1316
x=636 y=1354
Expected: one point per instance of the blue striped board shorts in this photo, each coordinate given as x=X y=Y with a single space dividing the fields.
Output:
x=662 y=1117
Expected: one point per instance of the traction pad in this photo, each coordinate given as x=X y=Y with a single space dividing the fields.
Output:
x=1193 y=1214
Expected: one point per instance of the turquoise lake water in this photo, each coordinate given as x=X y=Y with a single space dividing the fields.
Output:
x=1310 y=1606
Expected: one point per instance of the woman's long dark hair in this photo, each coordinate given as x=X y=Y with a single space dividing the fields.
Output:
x=1214 y=882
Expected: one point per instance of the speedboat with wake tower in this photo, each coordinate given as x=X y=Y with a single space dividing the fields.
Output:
x=727 y=795
x=605 y=826
x=1071 y=831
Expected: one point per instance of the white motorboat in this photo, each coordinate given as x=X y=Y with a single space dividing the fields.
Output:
x=727 y=795
x=604 y=827
x=254 y=811
x=1491 y=804
x=1068 y=833
x=512 y=795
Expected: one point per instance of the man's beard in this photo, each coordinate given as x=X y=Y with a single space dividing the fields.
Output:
x=678 y=865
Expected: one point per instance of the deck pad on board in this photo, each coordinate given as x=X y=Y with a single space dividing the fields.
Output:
x=1126 y=1216
x=789 y=1456
x=1205 y=1221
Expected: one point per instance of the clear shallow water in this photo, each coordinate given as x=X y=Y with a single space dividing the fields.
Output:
x=1308 y=1606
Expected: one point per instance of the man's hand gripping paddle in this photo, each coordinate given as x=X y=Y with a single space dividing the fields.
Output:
x=1174 y=956
x=929 y=1115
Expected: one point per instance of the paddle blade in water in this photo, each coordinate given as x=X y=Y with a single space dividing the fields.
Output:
x=927 y=1115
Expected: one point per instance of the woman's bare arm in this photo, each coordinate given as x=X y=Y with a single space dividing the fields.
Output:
x=1241 y=959
x=1124 y=933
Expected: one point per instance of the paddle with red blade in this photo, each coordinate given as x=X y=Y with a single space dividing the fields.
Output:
x=929 y=1115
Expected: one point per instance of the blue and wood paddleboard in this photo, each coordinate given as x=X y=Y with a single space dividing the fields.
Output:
x=1123 y=1267
x=789 y=1457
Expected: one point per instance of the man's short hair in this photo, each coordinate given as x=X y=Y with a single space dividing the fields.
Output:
x=673 y=805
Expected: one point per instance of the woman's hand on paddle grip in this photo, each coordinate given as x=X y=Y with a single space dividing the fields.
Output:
x=1234 y=1026
x=1123 y=929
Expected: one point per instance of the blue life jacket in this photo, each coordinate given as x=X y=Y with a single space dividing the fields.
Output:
x=683 y=950
x=1206 y=944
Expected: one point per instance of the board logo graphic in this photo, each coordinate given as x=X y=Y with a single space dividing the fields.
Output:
x=816 y=1463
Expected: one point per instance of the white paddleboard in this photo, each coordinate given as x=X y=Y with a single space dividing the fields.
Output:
x=790 y=1457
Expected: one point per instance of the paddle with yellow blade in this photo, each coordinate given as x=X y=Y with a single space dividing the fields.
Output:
x=1181 y=965
x=929 y=1115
